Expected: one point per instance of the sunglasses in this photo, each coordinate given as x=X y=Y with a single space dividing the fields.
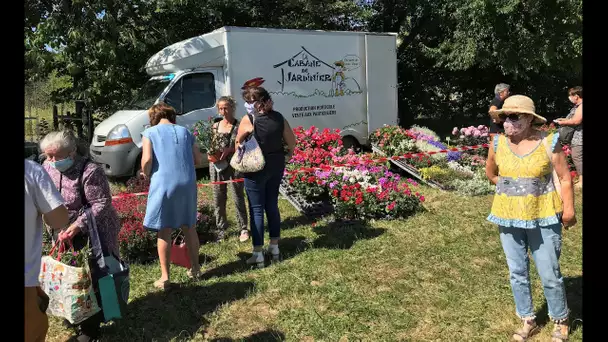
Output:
x=512 y=117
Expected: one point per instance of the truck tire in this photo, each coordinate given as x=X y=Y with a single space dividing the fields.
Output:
x=136 y=166
x=351 y=142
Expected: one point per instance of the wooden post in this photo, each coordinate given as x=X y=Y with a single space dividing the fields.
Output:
x=55 y=118
x=78 y=114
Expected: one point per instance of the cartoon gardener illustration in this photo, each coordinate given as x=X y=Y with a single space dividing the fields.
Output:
x=338 y=78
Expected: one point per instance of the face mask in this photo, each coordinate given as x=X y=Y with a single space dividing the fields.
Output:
x=250 y=107
x=514 y=128
x=63 y=164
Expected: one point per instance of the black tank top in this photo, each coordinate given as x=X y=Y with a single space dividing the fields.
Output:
x=268 y=130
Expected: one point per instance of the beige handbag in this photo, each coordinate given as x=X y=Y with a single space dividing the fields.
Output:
x=248 y=157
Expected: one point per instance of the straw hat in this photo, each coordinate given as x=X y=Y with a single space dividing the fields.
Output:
x=518 y=104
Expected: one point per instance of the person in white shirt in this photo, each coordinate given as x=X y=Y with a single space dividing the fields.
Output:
x=42 y=201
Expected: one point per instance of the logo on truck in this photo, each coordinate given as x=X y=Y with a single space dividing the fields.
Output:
x=305 y=75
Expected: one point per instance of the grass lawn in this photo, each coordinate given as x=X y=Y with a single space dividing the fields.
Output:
x=440 y=275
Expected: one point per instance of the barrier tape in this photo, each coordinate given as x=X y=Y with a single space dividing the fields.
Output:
x=334 y=166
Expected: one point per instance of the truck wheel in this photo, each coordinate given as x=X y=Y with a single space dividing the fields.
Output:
x=137 y=166
x=350 y=142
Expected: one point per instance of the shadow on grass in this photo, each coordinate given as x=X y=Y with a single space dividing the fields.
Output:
x=574 y=294
x=177 y=313
x=342 y=235
x=290 y=247
x=296 y=221
x=268 y=335
x=336 y=235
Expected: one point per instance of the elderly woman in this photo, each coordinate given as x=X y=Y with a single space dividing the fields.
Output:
x=530 y=210
x=169 y=156
x=220 y=170
x=501 y=92
x=74 y=176
x=271 y=129
x=575 y=119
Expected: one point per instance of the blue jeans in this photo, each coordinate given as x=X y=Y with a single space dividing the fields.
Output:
x=545 y=244
x=263 y=197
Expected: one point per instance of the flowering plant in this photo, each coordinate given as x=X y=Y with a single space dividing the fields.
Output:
x=134 y=241
x=373 y=192
x=470 y=136
x=478 y=185
x=394 y=140
x=78 y=258
x=205 y=138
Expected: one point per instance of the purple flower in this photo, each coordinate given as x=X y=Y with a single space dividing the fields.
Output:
x=73 y=262
x=75 y=253
x=332 y=184
x=345 y=178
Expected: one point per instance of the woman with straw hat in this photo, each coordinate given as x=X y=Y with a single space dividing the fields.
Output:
x=534 y=199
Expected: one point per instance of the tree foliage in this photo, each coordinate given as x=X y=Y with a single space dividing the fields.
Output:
x=452 y=53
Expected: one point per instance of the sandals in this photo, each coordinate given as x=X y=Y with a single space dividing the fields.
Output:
x=561 y=330
x=193 y=275
x=162 y=284
x=529 y=329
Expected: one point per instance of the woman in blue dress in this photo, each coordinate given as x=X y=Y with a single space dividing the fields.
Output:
x=169 y=156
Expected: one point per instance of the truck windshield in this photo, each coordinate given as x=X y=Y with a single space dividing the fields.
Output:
x=148 y=94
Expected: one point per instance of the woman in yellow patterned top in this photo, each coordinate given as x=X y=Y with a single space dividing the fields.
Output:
x=530 y=207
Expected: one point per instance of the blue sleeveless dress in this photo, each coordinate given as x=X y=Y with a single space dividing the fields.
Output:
x=172 y=197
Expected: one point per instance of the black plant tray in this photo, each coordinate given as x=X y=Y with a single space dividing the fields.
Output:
x=410 y=170
x=310 y=209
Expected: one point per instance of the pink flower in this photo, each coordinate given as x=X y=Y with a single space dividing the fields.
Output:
x=481 y=127
x=455 y=131
x=195 y=133
x=421 y=198
x=476 y=133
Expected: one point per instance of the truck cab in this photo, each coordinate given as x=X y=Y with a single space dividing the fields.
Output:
x=192 y=93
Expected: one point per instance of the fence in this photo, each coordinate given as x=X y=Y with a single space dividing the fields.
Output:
x=78 y=120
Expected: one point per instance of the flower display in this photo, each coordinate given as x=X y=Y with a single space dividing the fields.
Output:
x=135 y=242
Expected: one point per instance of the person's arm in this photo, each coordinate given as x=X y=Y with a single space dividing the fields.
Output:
x=49 y=201
x=560 y=164
x=491 y=167
x=146 y=156
x=576 y=119
x=245 y=128
x=98 y=194
x=289 y=138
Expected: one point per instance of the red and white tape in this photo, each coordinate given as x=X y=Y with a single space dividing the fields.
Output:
x=334 y=166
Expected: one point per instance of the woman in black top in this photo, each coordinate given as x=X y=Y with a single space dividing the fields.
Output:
x=220 y=170
x=262 y=187
x=501 y=92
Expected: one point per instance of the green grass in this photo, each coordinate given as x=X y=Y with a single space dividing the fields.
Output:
x=440 y=275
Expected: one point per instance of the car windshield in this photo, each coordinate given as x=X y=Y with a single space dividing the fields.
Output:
x=148 y=94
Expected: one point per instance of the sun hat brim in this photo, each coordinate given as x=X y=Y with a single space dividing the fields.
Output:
x=537 y=118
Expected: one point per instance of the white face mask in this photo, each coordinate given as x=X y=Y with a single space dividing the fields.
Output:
x=250 y=107
x=515 y=128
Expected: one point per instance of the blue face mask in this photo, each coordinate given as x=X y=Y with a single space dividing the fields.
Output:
x=63 y=164
x=250 y=107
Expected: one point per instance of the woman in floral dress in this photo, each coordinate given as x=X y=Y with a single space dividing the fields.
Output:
x=69 y=171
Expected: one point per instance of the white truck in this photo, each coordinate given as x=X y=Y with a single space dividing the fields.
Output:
x=345 y=80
